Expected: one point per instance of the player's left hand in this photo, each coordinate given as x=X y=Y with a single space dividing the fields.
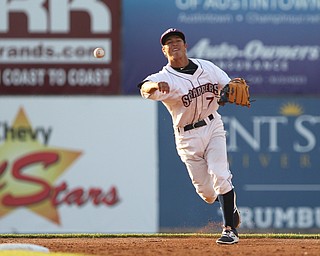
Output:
x=236 y=91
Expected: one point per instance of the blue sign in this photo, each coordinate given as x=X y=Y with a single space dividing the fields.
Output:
x=273 y=150
x=273 y=44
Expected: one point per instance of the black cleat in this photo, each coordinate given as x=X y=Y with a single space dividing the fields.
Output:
x=228 y=236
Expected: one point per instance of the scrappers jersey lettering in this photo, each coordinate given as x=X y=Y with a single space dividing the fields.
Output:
x=199 y=91
x=196 y=94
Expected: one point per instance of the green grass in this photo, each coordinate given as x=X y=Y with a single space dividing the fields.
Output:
x=167 y=235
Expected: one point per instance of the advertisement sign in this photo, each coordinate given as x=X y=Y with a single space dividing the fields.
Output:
x=46 y=47
x=273 y=150
x=71 y=165
x=273 y=44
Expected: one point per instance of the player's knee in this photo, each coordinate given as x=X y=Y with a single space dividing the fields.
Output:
x=210 y=200
x=208 y=195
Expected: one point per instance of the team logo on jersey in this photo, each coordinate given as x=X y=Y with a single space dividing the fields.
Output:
x=199 y=91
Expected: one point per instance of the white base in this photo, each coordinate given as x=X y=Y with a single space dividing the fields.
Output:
x=25 y=247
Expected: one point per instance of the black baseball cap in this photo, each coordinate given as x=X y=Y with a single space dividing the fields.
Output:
x=171 y=32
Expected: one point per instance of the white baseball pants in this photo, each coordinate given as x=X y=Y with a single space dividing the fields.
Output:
x=204 y=152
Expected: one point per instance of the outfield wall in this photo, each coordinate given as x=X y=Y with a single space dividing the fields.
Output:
x=97 y=164
x=76 y=158
x=86 y=164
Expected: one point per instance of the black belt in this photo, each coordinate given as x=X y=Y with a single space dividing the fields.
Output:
x=200 y=123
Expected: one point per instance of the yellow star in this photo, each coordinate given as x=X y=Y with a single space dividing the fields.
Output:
x=29 y=169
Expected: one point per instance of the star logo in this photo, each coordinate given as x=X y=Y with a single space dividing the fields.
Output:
x=29 y=169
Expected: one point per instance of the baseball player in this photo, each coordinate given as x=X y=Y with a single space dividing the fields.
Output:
x=190 y=90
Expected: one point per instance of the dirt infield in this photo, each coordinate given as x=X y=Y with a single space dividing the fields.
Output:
x=174 y=246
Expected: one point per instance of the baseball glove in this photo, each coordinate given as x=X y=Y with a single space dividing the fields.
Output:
x=236 y=91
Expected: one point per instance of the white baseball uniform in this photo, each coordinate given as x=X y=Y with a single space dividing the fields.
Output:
x=193 y=98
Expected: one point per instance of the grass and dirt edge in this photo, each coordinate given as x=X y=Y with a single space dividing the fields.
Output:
x=154 y=235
